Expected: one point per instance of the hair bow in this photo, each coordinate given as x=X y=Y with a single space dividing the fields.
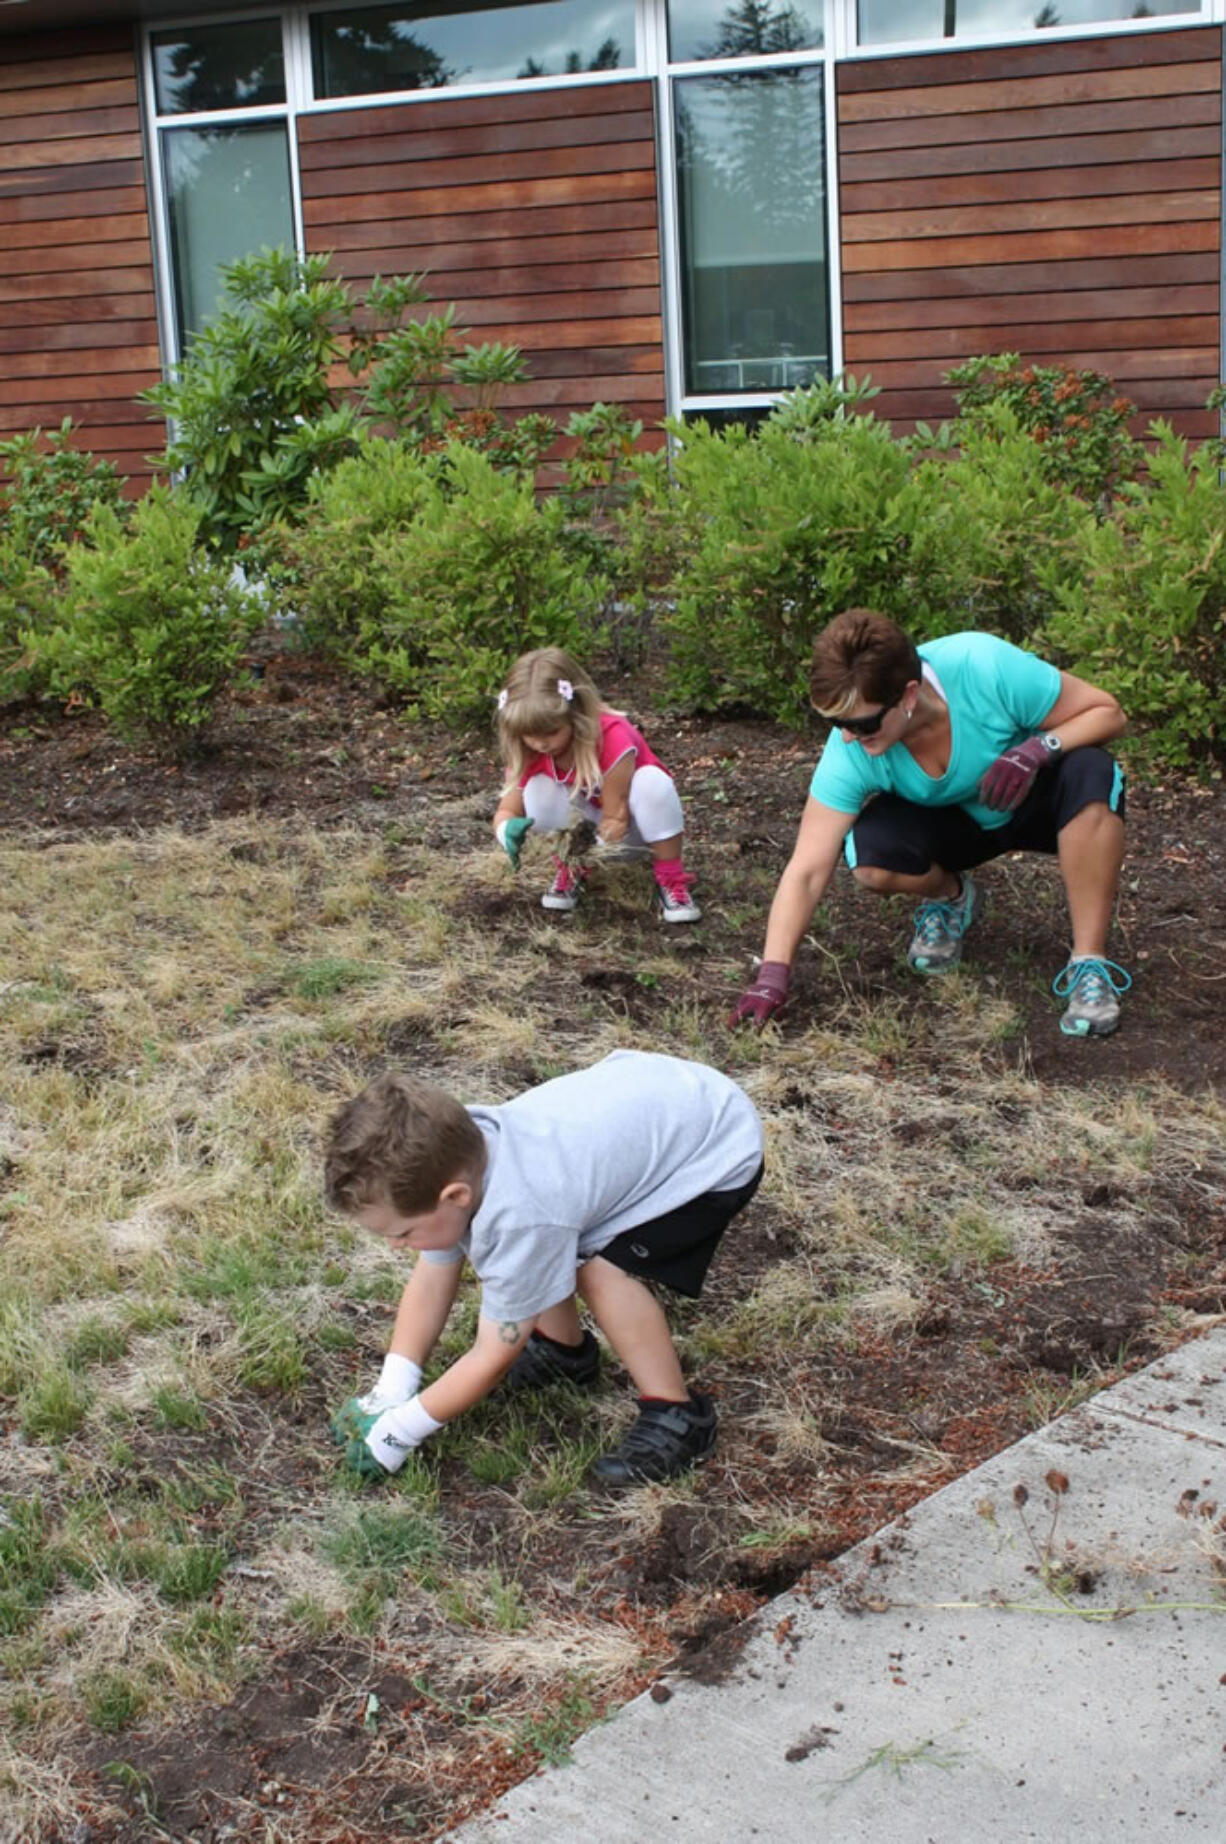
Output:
x=502 y=699
x=565 y=690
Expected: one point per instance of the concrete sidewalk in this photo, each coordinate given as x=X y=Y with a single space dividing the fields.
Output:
x=939 y=1690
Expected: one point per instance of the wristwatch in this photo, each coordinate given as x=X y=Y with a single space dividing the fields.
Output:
x=1051 y=742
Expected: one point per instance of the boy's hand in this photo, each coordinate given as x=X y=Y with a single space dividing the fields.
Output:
x=380 y=1444
x=511 y=834
x=399 y=1379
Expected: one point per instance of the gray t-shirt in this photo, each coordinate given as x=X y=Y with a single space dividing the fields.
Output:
x=573 y=1163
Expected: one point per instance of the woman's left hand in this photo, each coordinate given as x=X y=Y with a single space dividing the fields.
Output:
x=613 y=831
x=1008 y=781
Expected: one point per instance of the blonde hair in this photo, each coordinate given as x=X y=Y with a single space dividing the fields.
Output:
x=534 y=703
x=401 y=1142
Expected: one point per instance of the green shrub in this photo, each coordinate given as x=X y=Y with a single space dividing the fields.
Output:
x=1148 y=621
x=778 y=532
x=480 y=574
x=51 y=488
x=157 y=624
x=340 y=587
x=991 y=536
x=28 y=613
x=1077 y=419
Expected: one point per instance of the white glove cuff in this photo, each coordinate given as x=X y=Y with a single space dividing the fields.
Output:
x=500 y=833
x=396 y=1434
x=399 y=1379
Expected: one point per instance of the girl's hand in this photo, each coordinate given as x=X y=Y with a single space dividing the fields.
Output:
x=613 y=831
x=511 y=834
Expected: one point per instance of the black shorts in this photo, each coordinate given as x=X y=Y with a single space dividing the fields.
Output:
x=893 y=834
x=676 y=1249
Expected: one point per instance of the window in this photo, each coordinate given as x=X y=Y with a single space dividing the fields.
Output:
x=744 y=29
x=225 y=184
x=442 y=42
x=886 y=22
x=227 y=195
x=752 y=212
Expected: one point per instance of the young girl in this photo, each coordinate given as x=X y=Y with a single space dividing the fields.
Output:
x=566 y=751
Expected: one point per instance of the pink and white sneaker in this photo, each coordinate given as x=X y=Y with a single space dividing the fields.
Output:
x=563 y=892
x=673 y=894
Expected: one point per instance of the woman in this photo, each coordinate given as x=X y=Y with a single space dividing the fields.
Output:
x=942 y=757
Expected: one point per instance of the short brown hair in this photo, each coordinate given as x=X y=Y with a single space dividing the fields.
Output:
x=401 y=1142
x=861 y=654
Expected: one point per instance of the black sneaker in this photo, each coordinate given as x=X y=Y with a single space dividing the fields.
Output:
x=666 y=1440
x=543 y=1361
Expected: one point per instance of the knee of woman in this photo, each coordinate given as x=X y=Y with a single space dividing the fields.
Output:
x=873 y=877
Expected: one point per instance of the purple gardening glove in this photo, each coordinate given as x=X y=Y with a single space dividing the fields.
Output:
x=1008 y=781
x=766 y=995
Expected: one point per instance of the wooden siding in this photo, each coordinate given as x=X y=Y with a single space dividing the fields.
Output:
x=78 y=322
x=534 y=212
x=1058 y=200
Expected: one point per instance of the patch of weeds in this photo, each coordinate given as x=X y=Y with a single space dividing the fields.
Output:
x=188 y=1571
x=113 y=1699
x=971 y=1241
x=311 y=1616
x=329 y=975
x=213 y=1637
x=177 y=1408
x=28 y=1566
x=96 y=1341
x=244 y=1268
x=53 y=1406
x=149 y=1316
x=552 y=1733
x=385 y=1540
x=271 y=1351
x=335 y=1335
x=1046 y=1399
x=492 y=1600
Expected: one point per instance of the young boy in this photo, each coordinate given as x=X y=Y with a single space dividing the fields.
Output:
x=622 y=1173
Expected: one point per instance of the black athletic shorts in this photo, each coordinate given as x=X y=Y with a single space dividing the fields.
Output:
x=676 y=1249
x=893 y=834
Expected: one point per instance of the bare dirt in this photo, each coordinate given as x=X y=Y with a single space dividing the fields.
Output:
x=294 y=1756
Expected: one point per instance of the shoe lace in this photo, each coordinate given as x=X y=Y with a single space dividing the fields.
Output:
x=677 y=889
x=1090 y=980
x=937 y=921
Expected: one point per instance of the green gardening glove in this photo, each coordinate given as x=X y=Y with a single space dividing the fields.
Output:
x=347 y=1423
x=350 y=1426
x=511 y=835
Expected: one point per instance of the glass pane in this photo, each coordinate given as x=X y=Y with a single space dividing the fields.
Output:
x=744 y=29
x=888 y=22
x=752 y=198
x=228 y=195
x=440 y=42
x=218 y=67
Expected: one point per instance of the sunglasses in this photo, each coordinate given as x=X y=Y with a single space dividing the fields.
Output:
x=864 y=726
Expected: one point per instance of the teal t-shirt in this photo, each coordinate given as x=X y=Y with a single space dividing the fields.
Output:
x=997 y=695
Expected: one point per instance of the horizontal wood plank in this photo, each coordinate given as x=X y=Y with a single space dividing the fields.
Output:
x=454 y=241
x=490 y=139
x=993 y=314
x=1167 y=270
x=90 y=387
x=70 y=127
x=78 y=180
x=1049 y=182
x=529 y=282
x=1146 y=149
x=1017 y=62
x=58 y=364
x=402 y=177
x=1054 y=246
x=1122 y=366
x=17 y=156
x=54 y=208
x=45 y=233
x=1030 y=216
x=51 y=260
x=73 y=284
x=954 y=342
x=58 y=98
x=21 y=336
x=1038 y=92
x=1021 y=124
x=516 y=195
x=465 y=111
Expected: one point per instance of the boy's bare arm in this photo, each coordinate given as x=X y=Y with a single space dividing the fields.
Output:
x=427 y=1299
x=497 y=1345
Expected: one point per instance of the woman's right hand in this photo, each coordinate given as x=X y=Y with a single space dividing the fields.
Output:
x=766 y=994
x=510 y=834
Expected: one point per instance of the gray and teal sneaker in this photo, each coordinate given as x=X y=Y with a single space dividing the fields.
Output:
x=936 y=943
x=1092 y=988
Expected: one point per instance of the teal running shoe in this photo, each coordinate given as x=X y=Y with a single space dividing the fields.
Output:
x=1092 y=988
x=936 y=943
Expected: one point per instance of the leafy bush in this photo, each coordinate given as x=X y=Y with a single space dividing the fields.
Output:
x=256 y=413
x=341 y=584
x=156 y=624
x=777 y=535
x=50 y=490
x=1148 y=621
x=991 y=537
x=480 y=574
x=1077 y=418
x=27 y=615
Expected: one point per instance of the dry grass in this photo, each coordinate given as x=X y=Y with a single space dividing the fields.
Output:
x=181 y=1013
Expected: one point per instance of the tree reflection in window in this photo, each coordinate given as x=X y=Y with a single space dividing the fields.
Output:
x=219 y=67
x=441 y=42
x=747 y=28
